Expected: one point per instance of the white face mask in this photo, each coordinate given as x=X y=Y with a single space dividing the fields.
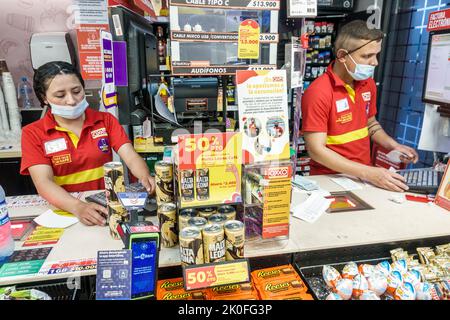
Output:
x=362 y=71
x=67 y=112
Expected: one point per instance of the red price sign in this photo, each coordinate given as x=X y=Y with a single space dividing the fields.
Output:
x=216 y=274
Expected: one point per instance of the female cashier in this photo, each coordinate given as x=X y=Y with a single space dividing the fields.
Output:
x=65 y=150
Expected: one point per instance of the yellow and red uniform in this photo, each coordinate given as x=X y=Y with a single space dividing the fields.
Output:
x=77 y=162
x=342 y=112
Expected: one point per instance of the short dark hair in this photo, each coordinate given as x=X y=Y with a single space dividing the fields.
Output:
x=44 y=75
x=356 y=30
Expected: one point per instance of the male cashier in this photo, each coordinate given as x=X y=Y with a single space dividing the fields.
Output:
x=339 y=110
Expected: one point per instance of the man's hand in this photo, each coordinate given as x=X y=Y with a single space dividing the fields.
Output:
x=149 y=183
x=91 y=214
x=386 y=179
x=411 y=155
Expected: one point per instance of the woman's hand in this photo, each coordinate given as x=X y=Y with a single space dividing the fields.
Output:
x=149 y=183
x=91 y=214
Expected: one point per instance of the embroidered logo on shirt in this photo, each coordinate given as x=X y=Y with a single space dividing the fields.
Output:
x=103 y=145
x=342 y=105
x=346 y=118
x=367 y=96
x=55 y=146
x=99 y=133
x=62 y=159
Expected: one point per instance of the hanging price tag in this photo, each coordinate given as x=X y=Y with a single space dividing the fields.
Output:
x=216 y=274
x=248 y=42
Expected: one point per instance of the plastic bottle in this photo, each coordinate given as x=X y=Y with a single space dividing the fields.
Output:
x=24 y=92
x=6 y=240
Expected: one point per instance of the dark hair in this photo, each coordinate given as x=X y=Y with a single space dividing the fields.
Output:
x=356 y=30
x=44 y=75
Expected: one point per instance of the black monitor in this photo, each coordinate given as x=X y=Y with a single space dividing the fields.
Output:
x=436 y=88
x=142 y=60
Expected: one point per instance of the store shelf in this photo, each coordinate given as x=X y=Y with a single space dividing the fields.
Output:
x=316 y=64
x=163 y=68
x=320 y=49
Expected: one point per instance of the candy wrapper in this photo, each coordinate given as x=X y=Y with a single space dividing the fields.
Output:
x=424 y=291
x=360 y=284
x=377 y=283
x=344 y=288
x=369 y=295
x=405 y=292
x=366 y=269
x=334 y=296
x=350 y=271
x=384 y=267
x=400 y=265
x=394 y=280
x=331 y=276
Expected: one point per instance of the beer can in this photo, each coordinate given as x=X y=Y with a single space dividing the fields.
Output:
x=184 y=216
x=235 y=239
x=187 y=185
x=116 y=215
x=164 y=182
x=218 y=218
x=114 y=180
x=168 y=224
x=197 y=222
x=207 y=212
x=202 y=184
x=229 y=211
x=191 y=246
x=213 y=243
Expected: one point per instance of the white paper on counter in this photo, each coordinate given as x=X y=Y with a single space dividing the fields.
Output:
x=313 y=208
x=347 y=184
x=50 y=219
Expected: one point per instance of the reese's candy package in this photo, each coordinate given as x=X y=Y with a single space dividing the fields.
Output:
x=276 y=288
x=280 y=272
x=173 y=289
x=244 y=291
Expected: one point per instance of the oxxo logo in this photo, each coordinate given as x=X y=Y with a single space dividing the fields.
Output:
x=282 y=172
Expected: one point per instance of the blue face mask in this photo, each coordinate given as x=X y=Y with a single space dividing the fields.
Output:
x=67 y=112
x=362 y=71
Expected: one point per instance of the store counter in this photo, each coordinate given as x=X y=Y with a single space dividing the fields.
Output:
x=388 y=222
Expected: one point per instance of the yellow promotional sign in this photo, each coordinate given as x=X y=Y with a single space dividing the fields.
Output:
x=218 y=274
x=248 y=41
x=209 y=169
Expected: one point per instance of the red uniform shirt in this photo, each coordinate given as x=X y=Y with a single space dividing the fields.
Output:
x=77 y=163
x=327 y=106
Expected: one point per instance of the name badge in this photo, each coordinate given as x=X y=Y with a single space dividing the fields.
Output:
x=342 y=105
x=55 y=146
x=367 y=96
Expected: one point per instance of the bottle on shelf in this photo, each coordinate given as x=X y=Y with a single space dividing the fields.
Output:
x=163 y=92
x=6 y=239
x=24 y=92
x=164 y=11
x=161 y=45
x=231 y=88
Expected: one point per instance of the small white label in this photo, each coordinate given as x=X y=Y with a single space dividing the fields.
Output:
x=342 y=105
x=54 y=146
x=367 y=96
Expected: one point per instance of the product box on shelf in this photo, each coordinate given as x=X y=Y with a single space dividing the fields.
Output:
x=266 y=199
